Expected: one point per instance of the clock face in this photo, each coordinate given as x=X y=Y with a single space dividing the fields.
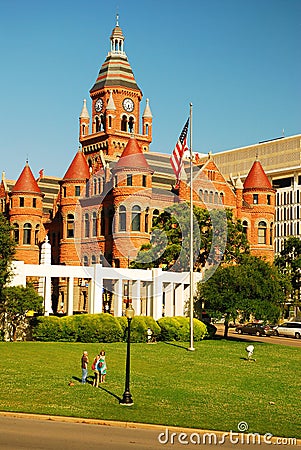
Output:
x=98 y=105
x=128 y=104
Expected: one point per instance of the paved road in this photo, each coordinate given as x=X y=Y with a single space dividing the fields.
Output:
x=19 y=433
x=292 y=342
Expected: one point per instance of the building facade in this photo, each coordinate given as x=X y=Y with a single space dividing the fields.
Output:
x=101 y=211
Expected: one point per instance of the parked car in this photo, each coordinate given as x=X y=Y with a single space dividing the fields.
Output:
x=254 y=328
x=290 y=329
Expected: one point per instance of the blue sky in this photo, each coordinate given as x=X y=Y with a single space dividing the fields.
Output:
x=237 y=61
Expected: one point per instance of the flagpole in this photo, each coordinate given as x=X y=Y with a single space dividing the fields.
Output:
x=191 y=348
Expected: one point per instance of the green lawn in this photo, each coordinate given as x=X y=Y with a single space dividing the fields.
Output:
x=211 y=388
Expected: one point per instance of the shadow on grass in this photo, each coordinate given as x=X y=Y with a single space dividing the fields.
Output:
x=100 y=387
x=111 y=393
x=184 y=347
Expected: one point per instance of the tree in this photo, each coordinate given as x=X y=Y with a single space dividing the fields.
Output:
x=17 y=301
x=253 y=287
x=289 y=262
x=217 y=237
x=7 y=251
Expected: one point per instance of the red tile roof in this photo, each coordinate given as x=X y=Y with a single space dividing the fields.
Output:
x=132 y=158
x=78 y=169
x=257 y=178
x=26 y=182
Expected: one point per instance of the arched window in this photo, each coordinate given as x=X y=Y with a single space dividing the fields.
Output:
x=94 y=224
x=83 y=129
x=216 y=199
x=201 y=194
x=16 y=233
x=27 y=234
x=122 y=218
x=206 y=196
x=70 y=226
x=94 y=186
x=221 y=198
x=93 y=259
x=245 y=227
x=146 y=129
x=155 y=215
x=97 y=124
x=85 y=261
x=87 y=225
x=36 y=235
x=262 y=232
x=131 y=124
x=210 y=197
x=136 y=216
x=124 y=123
x=146 y=218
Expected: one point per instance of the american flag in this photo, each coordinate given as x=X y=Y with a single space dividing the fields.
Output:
x=176 y=159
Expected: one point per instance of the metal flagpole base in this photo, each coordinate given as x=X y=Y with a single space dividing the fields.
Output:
x=191 y=349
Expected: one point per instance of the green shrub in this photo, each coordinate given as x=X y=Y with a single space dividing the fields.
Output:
x=123 y=323
x=46 y=328
x=178 y=329
x=68 y=329
x=98 y=328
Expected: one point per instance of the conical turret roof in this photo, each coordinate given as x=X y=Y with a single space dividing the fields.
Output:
x=133 y=158
x=26 y=182
x=78 y=169
x=116 y=70
x=257 y=178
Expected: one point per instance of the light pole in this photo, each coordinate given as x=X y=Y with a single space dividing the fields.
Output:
x=127 y=397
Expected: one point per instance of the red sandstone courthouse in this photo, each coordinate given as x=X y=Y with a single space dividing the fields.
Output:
x=101 y=211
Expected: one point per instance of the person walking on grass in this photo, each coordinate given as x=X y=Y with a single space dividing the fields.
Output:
x=84 y=365
x=102 y=366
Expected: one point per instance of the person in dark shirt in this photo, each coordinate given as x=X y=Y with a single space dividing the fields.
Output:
x=84 y=364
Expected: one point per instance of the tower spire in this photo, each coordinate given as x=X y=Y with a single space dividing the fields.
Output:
x=117 y=20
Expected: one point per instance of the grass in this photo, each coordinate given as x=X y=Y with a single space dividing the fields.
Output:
x=212 y=388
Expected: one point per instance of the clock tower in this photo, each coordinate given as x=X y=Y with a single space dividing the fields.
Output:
x=115 y=115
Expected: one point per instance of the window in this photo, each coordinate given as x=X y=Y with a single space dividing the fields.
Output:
x=64 y=191
x=122 y=218
x=146 y=129
x=86 y=261
x=201 y=194
x=70 y=226
x=27 y=234
x=129 y=180
x=124 y=123
x=110 y=121
x=245 y=227
x=16 y=233
x=94 y=224
x=21 y=202
x=136 y=215
x=34 y=202
x=87 y=225
x=115 y=181
x=216 y=198
x=255 y=199
x=268 y=199
x=93 y=259
x=262 y=232
x=36 y=235
x=146 y=217
x=94 y=186
x=155 y=215
x=221 y=197
x=77 y=191
x=102 y=223
x=144 y=180
x=271 y=234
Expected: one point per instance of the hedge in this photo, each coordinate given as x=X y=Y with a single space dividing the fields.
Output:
x=178 y=329
x=106 y=328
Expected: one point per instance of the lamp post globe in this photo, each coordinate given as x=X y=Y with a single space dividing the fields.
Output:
x=127 y=397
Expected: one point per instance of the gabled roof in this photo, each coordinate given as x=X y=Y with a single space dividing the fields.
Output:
x=257 y=178
x=78 y=169
x=26 y=182
x=132 y=157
